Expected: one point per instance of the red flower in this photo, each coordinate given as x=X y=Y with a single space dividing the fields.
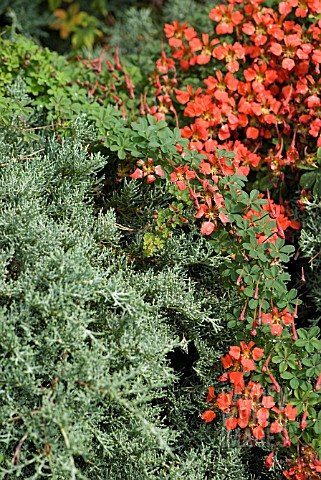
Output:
x=184 y=97
x=180 y=175
x=283 y=415
x=231 y=54
x=275 y=318
x=205 y=46
x=243 y=355
x=164 y=64
x=147 y=170
x=226 y=17
x=176 y=32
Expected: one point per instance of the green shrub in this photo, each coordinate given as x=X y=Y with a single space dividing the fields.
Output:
x=310 y=246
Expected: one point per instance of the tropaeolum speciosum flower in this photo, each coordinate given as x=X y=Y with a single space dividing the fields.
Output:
x=260 y=96
x=244 y=354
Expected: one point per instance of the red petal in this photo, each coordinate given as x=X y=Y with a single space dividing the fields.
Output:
x=235 y=352
x=159 y=171
x=290 y=412
x=238 y=380
x=210 y=394
x=137 y=174
x=269 y=460
x=231 y=423
x=248 y=364
x=275 y=427
x=207 y=228
x=268 y=402
x=258 y=432
x=257 y=353
x=262 y=415
x=224 y=401
x=276 y=329
x=208 y=416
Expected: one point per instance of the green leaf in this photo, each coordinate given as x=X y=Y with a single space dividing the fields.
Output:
x=294 y=383
x=249 y=292
x=277 y=359
x=314 y=331
x=317 y=427
x=292 y=294
x=288 y=249
x=254 y=194
x=302 y=334
x=253 y=303
x=307 y=180
x=309 y=347
x=306 y=361
x=282 y=367
x=287 y=376
x=317 y=185
x=262 y=256
x=316 y=343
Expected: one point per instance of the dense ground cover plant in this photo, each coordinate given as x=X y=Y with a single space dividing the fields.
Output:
x=247 y=232
x=263 y=90
x=244 y=229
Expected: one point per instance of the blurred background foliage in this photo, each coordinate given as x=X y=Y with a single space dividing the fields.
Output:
x=78 y=26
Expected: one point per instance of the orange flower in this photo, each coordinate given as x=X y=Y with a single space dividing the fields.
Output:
x=283 y=415
x=226 y=17
x=275 y=319
x=242 y=356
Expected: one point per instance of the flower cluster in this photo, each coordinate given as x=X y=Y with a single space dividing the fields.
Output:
x=263 y=102
x=305 y=466
x=245 y=406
